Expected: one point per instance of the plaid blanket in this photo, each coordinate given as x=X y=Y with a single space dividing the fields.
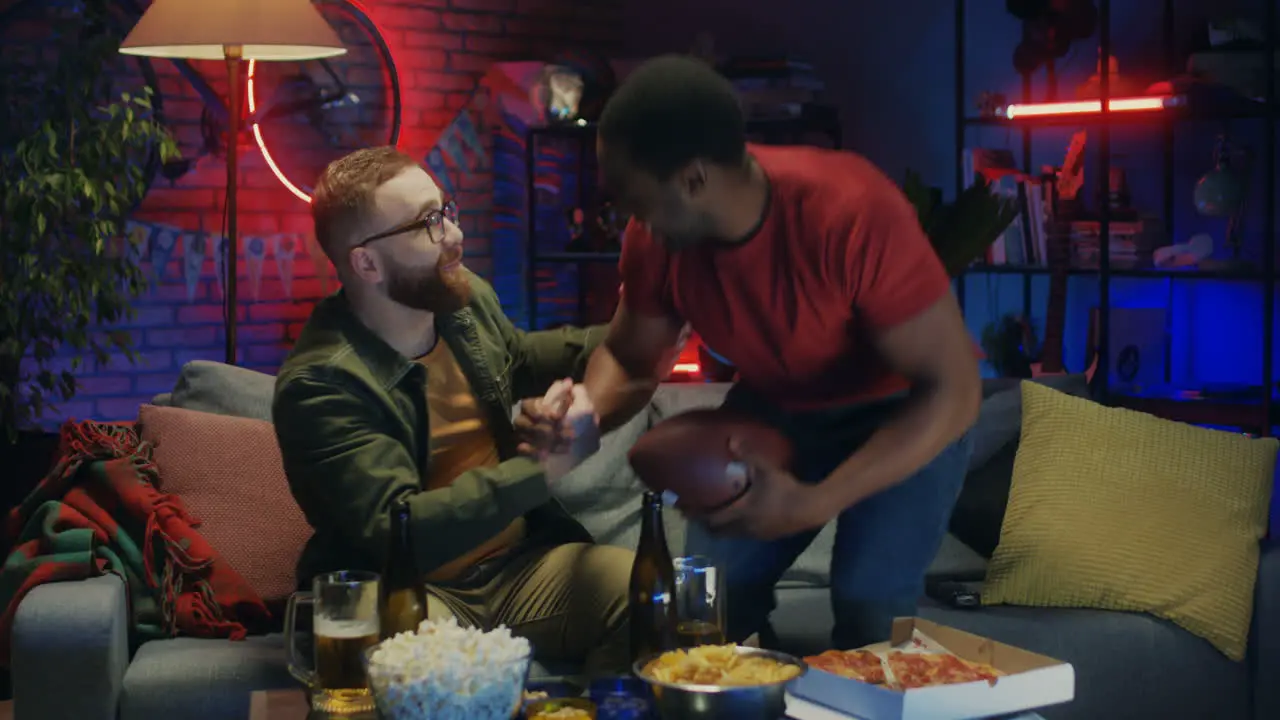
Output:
x=98 y=511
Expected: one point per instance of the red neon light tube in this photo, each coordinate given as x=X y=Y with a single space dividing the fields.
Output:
x=1088 y=107
x=262 y=144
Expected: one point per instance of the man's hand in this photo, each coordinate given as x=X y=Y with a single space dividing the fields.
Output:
x=775 y=505
x=562 y=422
x=540 y=425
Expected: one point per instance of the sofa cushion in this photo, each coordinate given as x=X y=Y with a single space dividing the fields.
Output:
x=1119 y=510
x=198 y=679
x=216 y=387
x=228 y=472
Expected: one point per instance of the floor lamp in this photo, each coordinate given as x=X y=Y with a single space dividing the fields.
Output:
x=234 y=31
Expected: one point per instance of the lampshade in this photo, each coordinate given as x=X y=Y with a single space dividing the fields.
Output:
x=263 y=29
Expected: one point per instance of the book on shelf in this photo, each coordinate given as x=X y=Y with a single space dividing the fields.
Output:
x=1025 y=243
x=1131 y=243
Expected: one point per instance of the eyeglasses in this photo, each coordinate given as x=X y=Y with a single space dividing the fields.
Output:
x=432 y=222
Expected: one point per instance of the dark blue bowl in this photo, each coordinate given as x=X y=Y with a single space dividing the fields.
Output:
x=621 y=698
x=619 y=685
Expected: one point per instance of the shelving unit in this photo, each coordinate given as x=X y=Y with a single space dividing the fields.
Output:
x=1255 y=414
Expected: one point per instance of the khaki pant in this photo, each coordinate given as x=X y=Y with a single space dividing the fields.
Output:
x=569 y=601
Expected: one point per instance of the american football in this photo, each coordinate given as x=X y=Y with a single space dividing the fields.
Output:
x=688 y=456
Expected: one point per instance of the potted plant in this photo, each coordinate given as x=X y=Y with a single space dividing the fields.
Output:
x=960 y=231
x=76 y=158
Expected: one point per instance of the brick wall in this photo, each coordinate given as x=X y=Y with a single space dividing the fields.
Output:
x=442 y=49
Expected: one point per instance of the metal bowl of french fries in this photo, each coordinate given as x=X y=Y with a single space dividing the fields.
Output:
x=720 y=681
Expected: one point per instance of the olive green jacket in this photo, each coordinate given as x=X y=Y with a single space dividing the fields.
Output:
x=351 y=419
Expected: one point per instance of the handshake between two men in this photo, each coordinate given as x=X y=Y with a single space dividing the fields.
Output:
x=559 y=429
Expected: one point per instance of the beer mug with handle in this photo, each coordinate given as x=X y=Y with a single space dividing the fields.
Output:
x=345 y=623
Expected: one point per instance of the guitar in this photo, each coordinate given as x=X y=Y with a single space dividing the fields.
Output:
x=1050 y=361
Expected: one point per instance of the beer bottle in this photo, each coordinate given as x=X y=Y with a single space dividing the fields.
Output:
x=404 y=603
x=653 y=584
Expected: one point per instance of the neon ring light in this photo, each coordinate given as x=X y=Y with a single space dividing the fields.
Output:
x=361 y=16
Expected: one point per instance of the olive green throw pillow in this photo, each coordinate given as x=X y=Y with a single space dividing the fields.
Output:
x=1119 y=510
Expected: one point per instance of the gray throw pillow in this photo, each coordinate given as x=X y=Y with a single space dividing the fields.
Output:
x=223 y=389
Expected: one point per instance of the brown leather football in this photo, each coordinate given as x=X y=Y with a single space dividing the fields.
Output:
x=688 y=456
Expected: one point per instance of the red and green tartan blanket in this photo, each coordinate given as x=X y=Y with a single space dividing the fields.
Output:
x=99 y=511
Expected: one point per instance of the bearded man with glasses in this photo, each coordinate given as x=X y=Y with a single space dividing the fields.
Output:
x=401 y=385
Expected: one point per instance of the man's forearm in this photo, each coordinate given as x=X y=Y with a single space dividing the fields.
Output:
x=616 y=394
x=932 y=419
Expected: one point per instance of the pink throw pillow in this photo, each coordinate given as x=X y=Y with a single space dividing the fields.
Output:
x=229 y=474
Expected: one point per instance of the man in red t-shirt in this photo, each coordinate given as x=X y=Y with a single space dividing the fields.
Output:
x=808 y=270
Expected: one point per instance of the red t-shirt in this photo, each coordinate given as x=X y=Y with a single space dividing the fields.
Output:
x=839 y=256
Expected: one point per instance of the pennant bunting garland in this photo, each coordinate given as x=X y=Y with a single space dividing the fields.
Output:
x=159 y=244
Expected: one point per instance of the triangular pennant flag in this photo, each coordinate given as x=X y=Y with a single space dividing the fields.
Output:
x=255 y=251
x=139 y=238
x=193 y=250
x=283 y=248
x=216 y=245
x=163 y=243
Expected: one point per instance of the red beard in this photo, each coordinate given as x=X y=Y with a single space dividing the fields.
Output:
x=438 y=290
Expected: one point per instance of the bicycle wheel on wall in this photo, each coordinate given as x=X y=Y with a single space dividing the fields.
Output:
x=305 y=115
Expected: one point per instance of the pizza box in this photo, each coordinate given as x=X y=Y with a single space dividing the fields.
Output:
x=1029 y=681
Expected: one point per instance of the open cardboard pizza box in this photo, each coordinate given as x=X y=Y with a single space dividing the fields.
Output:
x=1029 y=681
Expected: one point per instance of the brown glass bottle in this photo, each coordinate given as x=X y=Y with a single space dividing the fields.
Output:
x=404 y=603
x=653 y=585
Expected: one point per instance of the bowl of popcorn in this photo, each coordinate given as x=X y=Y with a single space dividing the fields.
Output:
x=448 y=672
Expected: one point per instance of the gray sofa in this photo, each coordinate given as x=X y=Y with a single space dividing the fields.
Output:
x=71 y=656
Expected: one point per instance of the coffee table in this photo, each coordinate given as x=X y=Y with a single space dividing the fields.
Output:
x=290 y=704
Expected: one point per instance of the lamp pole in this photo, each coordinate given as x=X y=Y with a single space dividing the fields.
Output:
x=235 y=58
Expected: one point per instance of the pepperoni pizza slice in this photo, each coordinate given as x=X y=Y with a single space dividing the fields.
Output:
x=862 y=665
x=917 y=670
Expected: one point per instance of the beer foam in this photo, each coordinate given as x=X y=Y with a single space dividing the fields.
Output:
x=445 y=671
x=345 y=629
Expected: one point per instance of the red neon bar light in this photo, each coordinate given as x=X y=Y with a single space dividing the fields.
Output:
x=1086 y=107
x=690 y=368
